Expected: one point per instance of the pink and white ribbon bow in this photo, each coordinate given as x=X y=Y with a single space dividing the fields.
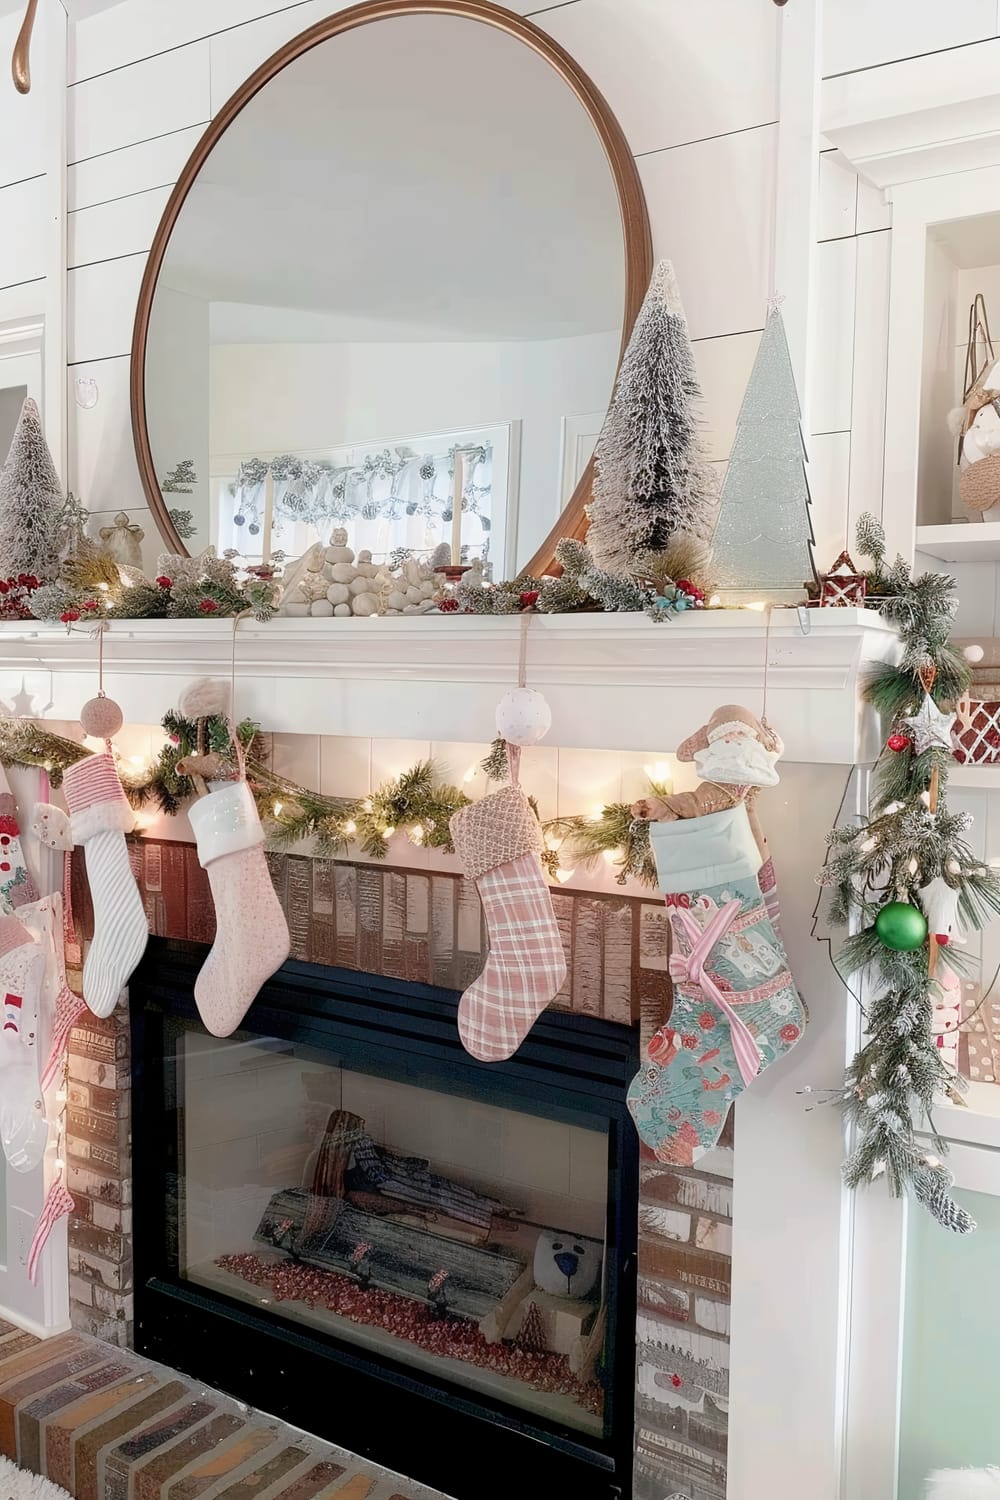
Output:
x=689 y=969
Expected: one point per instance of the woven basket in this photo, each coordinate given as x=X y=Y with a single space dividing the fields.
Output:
x=979 y=483
x=978 y=742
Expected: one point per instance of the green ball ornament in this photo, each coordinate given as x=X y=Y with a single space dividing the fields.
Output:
x=901 y=927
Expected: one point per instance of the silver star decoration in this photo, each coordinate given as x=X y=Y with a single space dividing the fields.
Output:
x=930 y=728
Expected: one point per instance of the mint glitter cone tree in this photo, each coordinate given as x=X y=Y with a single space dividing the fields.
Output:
x=651 y=481
x=31 y=502
x=763 y=538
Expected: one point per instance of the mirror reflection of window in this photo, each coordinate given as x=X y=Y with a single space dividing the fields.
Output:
x=392 y=496
x=409 y=238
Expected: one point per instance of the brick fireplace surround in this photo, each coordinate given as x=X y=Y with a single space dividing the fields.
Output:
x=428 y=927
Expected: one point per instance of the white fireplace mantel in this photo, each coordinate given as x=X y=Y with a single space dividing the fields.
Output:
x=615 y=682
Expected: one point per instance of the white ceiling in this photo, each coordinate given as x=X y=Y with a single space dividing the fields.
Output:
x=970 y=243
x=421 y=177
x=79 y=10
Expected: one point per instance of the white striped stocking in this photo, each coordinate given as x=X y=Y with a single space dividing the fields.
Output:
x=100 y=817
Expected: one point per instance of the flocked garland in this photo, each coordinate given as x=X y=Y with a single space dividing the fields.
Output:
x=91 y=585
x=909 y=839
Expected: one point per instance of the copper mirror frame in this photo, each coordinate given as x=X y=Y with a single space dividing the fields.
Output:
x=632 y=201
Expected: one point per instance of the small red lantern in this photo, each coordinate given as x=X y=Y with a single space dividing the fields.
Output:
x=843 y=587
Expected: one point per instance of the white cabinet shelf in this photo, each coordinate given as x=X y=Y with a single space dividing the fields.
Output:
x=982 y=778
x=962 y=542
x=614 y=682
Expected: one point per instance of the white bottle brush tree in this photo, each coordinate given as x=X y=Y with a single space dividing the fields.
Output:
x=652 y=486
x=763 y=538
x=31 y=500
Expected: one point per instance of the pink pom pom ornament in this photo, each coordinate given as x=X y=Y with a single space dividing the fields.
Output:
x=101 y=717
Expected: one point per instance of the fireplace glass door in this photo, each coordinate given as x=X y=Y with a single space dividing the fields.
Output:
x=463 y=1240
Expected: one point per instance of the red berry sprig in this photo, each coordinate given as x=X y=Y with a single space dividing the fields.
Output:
x=693 y=592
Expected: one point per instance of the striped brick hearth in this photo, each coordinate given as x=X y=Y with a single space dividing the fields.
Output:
x=107 y=1425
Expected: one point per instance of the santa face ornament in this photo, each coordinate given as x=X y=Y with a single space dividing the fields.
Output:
x=736 y=757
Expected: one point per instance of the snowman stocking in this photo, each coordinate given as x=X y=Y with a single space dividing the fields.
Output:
x=16 y=885
x=498 y=841
x=23 y=1130
x=736 y=1008
x=251 y=940
x=100 y=816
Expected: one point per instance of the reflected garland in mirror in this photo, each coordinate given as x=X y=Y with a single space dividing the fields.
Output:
x=389 y=293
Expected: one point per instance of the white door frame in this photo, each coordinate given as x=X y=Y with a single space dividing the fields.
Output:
x=33 y=354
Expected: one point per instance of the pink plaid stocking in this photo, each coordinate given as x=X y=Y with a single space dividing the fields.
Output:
x=499 y=841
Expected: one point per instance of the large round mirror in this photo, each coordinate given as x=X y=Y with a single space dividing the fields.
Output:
x=389 y=293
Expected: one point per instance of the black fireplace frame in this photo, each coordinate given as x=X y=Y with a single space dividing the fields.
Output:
x=460 y=1443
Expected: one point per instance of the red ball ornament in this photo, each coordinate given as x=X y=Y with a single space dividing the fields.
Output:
x=529 y=598
x=163 y=582
x=897 y=742
x=208 y=606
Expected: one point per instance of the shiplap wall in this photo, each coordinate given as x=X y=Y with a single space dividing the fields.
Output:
x=695 y=88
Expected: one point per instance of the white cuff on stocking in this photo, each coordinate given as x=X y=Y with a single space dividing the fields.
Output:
x=225 y=822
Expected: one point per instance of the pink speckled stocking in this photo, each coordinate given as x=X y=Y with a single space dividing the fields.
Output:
x=251 y=940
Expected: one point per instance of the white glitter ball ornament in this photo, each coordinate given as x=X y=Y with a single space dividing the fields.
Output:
x=973 y=653
x=523 y=717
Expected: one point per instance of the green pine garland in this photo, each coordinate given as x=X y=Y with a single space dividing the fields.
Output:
x=416 y=802
x=895 y=1080
x=163 y=785
x=23 y=742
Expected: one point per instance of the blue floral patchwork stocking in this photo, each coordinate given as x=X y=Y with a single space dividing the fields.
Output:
x=736 y=1008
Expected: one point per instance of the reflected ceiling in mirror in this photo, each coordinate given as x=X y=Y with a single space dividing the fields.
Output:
x=389 y=294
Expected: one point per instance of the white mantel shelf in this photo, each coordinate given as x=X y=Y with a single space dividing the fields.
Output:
x=616 y=682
